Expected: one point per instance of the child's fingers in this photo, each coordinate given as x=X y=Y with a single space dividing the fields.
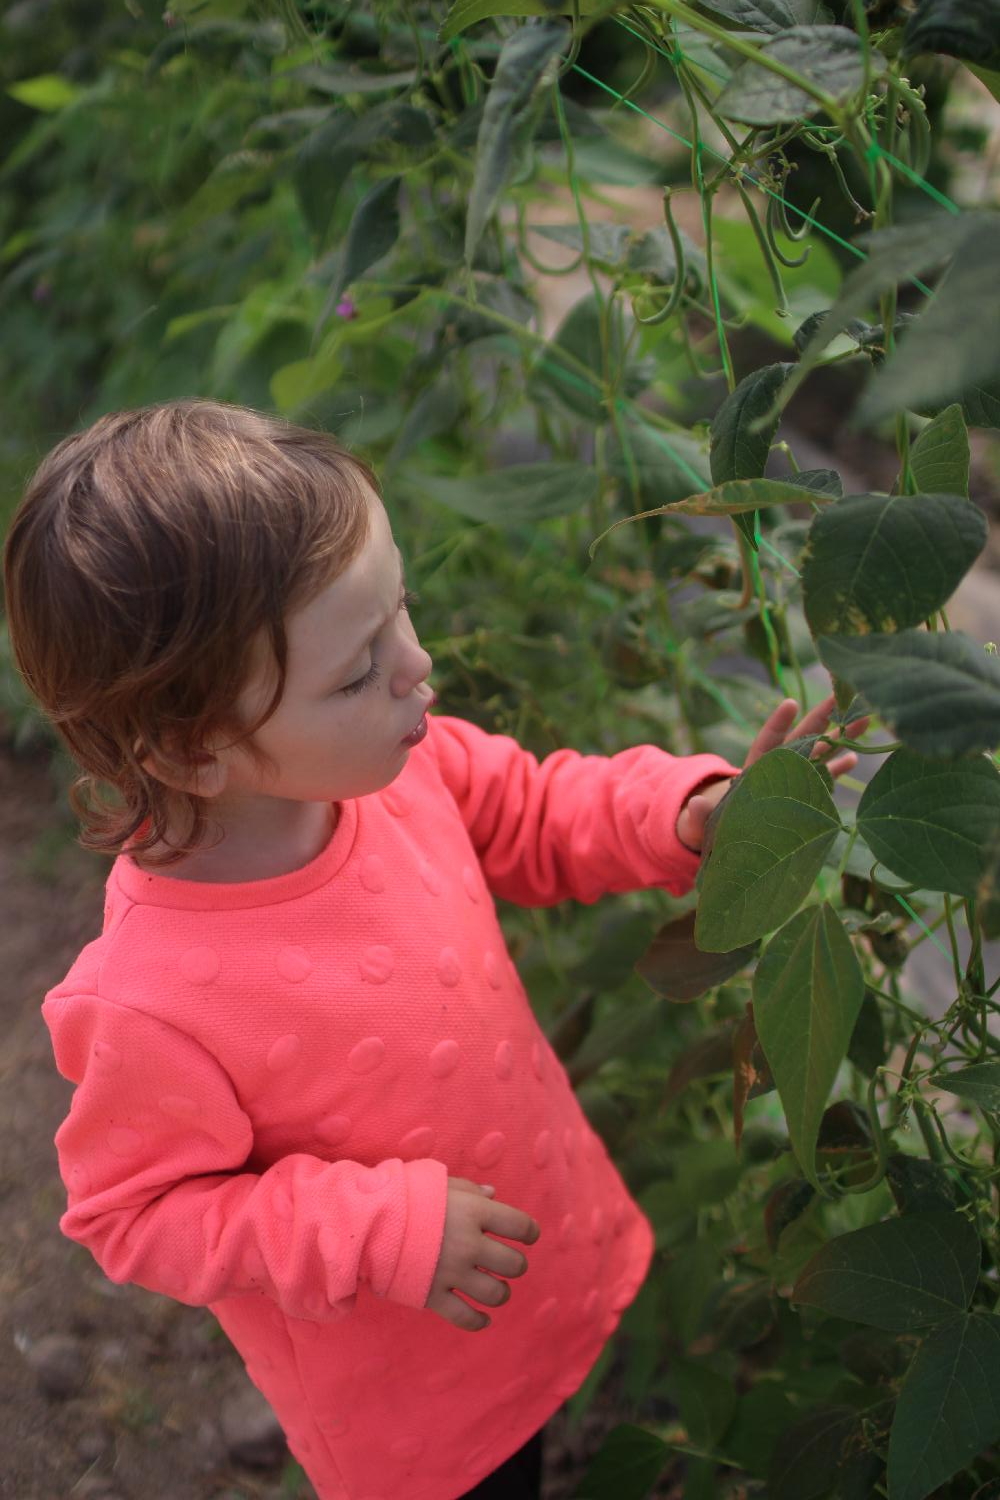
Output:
x=469 y=1319
x=510 y=1223
x=502 y=1259
x=481 y=1287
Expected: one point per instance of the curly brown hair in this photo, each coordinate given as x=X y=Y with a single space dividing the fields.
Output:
x=149 y=557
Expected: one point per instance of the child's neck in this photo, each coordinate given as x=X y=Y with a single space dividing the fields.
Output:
x=271 y=837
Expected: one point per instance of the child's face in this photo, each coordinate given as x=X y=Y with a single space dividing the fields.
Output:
x=335 y=734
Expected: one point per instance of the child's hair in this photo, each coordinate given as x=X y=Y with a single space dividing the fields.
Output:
x=146 y=556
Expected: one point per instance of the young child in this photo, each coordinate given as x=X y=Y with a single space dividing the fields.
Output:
x=310 y=1091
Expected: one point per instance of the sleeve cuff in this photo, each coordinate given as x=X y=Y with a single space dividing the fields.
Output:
x=426 y=1202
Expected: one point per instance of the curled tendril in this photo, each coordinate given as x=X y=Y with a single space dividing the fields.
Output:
x=574 y=51
x=680 y=273
x=777 y=218
x=526 y=254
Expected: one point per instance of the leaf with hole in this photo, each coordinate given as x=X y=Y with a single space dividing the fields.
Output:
x=899 y=1274
x=939 y=691
x=774 y=828
x=807 y=992
x=928 y=819
x=886 y=562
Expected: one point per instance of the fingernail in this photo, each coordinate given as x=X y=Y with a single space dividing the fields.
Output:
x=487 y=1187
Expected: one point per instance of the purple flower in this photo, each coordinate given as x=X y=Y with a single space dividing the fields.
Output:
x=346 y=309
x=42 y=290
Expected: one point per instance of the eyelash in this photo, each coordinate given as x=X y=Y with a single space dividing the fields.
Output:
x=372 y=674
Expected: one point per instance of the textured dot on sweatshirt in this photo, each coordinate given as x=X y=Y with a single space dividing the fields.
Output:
x=567 y=1232
x=445 y=1379
x=376 y=964
x=449 y=970
x=503 y=1060
x=537 y=1060
x=284 y=1053
x=492 y=970
x=443 y=1059
x=178 y=1106
x=123 y=1141
x=334 y=1129
x=407 y=1449
x=294 y=964
x=597 y=1225
x=545 y=1314
x=471 y=882
x=108 y=1058
x=590 y=1302
x=490 y=1149
x=430 y=877
x=543 y=1147
x=416 y=1143
x=200 y=965
x=366 y=1056
x=372 y=873
x=374 y=1179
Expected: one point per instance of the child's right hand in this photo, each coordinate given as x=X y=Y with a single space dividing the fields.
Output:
x=467 y=1245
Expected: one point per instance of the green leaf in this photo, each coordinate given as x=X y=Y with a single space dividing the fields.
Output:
x=829 y=57
x=948 y=1410
x=867 y=1049
x=676 y=968
x=373 y=232
x=943 y=351
x=939 y=691
x=919 y=1185
x=808 y=1453
x=979 y=1082
x=988 y=894
x=807 y=992
x=900 y=1274
x=522 y=492
x=885 y=562
x=739 y=447
x=775 y=826
x=302 y=379
x=627 y=1465
x=46 y=92
x=981 y=405
x=526 y=63
x=580 y=336
x=928 y=820
x=940 y=457
x=667 y=465
x=754 y=15
x=969 y=29
x=707 y=1400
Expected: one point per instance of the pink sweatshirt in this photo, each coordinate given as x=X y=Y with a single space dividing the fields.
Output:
x=276 y=1078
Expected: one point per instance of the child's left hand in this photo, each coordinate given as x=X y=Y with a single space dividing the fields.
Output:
x=776 y=731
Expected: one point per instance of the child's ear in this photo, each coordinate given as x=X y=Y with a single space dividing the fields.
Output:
x=206 y=778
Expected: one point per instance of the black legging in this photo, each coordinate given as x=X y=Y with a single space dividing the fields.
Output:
x=520 y=1478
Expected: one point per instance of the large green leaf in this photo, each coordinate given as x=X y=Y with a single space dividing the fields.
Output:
x=373 y=232
x=526 y=61
x=886 y=562
x=738 y=496
x=939 y=690
x=829 y=57
x=738 y=448
x=627 y=1465
x=940 y=458
x=707 y=1400
x=969 y=29
x=774 y=828
x=980 y=1082
x=676 y=968
x=948 y=1410
x=522 y=492
x=807 y=992
x=943 y=351
x=770 y=16
x=809 y=1452
x=900 y=1274
x=929 y=820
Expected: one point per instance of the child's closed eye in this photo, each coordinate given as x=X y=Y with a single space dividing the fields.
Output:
x=373 y=671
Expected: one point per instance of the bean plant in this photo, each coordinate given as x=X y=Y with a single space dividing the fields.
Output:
x=345 y=214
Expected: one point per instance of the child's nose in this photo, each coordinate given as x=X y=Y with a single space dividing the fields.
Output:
x=414 y=669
